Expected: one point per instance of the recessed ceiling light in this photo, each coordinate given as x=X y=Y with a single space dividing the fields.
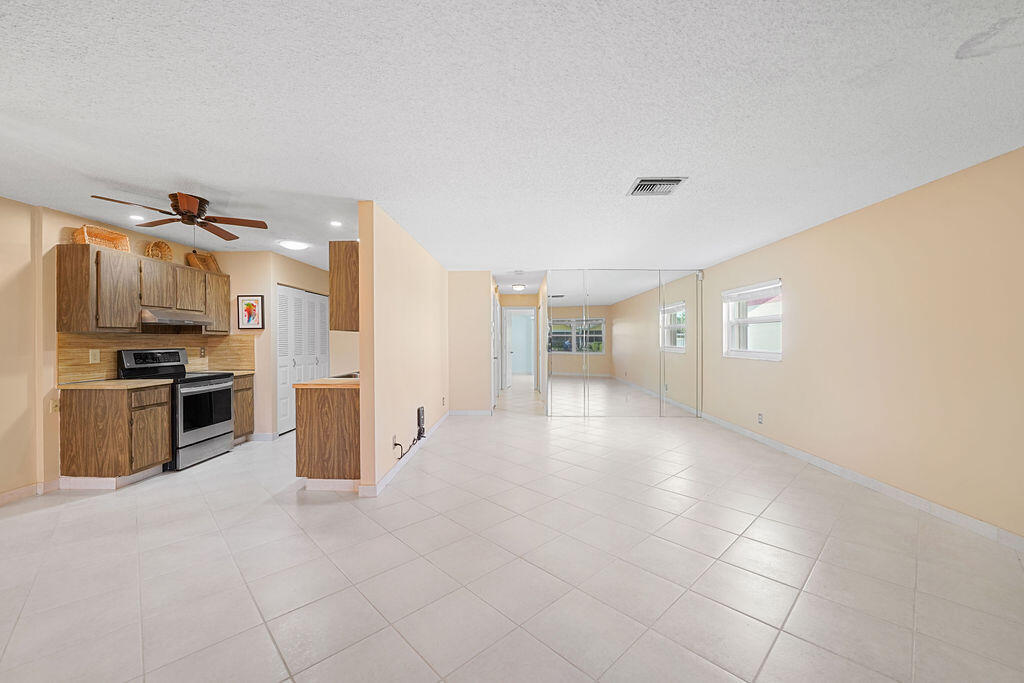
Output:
x=335 y=224
x=293 y=245
x=137 y=218
x=518 y=288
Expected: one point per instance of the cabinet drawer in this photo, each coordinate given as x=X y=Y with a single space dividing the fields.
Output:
x=148 y=397
x=243 y=382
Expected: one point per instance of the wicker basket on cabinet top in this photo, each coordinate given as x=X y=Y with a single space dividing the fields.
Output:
x=101 y=237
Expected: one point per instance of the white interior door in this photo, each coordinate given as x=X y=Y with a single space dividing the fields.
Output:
x=303 y=347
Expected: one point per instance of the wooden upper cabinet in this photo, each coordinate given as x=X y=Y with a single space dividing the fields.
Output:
x=218 y=302
x=117 y=290
x=158 y=286
x=103 y=290
x=344 y=296
x=191 y=289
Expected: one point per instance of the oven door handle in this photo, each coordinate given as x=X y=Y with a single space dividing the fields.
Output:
x=205 y=389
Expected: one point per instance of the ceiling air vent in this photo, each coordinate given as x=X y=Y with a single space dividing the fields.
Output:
x=647 y=187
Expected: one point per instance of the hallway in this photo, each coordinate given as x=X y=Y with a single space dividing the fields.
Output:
x=521 y=397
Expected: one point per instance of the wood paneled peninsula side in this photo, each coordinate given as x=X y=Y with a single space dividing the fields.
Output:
x=327 y=429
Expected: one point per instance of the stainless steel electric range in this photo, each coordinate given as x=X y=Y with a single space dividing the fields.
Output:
x=202 y=419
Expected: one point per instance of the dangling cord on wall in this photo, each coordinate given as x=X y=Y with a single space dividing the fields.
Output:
x=403 y=453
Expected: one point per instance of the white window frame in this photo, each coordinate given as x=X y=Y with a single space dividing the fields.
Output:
x=666 y=311
x=745 y=294
x=574 y=325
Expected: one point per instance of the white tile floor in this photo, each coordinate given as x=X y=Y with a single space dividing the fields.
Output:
x=602 y=397
x=510 y=548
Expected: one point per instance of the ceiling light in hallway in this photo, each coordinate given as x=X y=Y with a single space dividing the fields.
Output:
x=518 y=288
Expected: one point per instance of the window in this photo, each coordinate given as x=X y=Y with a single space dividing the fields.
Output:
x=673 y=327
x=752 y=321
x=585 y=335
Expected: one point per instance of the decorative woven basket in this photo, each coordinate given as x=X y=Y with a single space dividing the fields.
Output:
x=101 y=237
x=159 y=249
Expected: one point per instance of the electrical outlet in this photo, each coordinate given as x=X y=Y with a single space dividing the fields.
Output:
x=760 y=418
x=94 y=355
x=54 y=406
x=442 y=401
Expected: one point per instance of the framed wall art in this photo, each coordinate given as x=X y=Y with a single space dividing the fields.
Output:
x=250 y=312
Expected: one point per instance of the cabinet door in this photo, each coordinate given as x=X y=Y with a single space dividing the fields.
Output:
x=191 y=289
x=117 y=289
x=218 y=302
x=151 y=436
x=158 y=288
x=243 y=412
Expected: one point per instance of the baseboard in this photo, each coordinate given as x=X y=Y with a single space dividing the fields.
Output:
x=986 y=529
x=18 y=493
x=107 y=483
x=471 y=412
x=262 y=437
x=372 y=491
x=332 y=484
x=44 y=487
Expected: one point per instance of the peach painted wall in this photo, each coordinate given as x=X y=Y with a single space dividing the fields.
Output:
x=404 y=362
x=518 y=299
x=18 y=355
x=901 y=347
x=469 y=339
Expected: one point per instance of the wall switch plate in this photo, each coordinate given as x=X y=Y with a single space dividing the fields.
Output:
x=760 y=418
x=202 y=352
x=94 y=355
x=54 y=406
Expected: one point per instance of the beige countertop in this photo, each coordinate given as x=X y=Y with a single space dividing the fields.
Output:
x=330 y=383
x=117 y=384
x=238 y=373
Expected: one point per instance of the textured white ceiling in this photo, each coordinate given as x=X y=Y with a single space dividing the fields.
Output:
x=506 y=135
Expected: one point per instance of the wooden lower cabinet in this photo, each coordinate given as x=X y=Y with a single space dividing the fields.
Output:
x=327 y=431
x=244 y=407
x=114 y=432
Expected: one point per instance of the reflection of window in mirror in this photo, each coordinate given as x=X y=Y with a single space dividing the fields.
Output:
x=673 y=327
x=752 y=321
x=582 y=335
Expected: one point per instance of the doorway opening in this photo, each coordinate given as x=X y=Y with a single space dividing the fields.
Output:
x=520 y=359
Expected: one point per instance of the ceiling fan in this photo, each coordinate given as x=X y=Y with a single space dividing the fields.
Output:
x=191 y=210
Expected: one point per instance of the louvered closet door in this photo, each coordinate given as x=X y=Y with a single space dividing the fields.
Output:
x=323 y=347
x=303 y=346
x=285 y=359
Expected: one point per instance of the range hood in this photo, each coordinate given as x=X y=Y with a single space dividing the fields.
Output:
x=169 y=316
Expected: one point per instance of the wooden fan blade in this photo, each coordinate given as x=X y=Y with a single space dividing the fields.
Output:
x=216 y=230
x=118 y=201
x=153 y=224
x=244 y=222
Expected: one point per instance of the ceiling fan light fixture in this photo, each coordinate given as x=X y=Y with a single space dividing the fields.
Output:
x=293 y=245
x=518 y=287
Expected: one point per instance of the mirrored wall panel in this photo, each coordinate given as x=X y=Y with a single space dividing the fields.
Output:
x=617 y=343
